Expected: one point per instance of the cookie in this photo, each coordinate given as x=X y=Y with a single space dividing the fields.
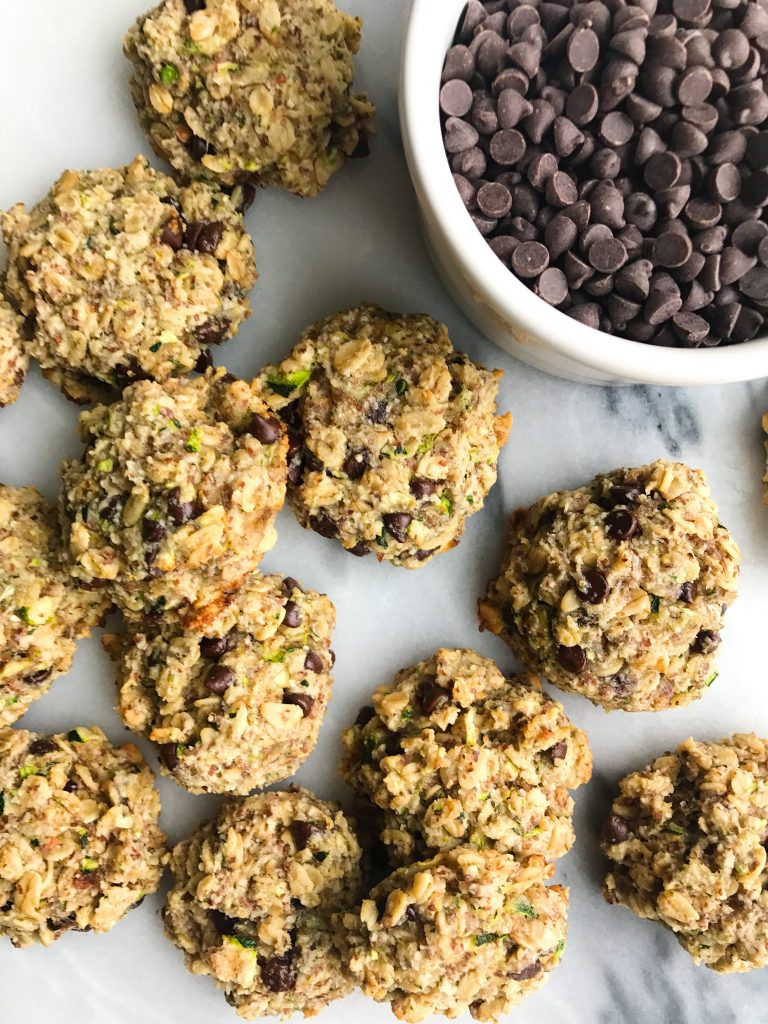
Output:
x=686 y=837
x=618 y=590
x=13 y=354
x=234 y=694
x=43 y=612
x=395 y=436
x=79 y=841
x=127 y=277
x=765 y=478
x=250 y=92
x=453 y=753
x=469 y=930
x=175 y=497
x=252 y=901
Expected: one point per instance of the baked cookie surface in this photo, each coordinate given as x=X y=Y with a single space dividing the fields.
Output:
x=79 y=841
x=250 y=92
x=687 y=836
x=453 y=753
x=618 y=590
x=395 y=436
x=43 y=612
x=468 y=930
x=13 y=354
x=127 y=277
x=253 y=895
x=235 y=694
x=175 y=498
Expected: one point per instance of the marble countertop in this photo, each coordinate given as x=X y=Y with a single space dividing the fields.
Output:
x=64 y=104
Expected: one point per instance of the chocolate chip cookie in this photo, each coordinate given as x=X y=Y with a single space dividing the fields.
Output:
x=79 y=841
x=252 y=901
x=453 y=753
x=43 y=612
x=687 y=838
x=469 y=930
x=175 y=497
x=618 y=590
x=234 y=693
x=127 y=277
x=394 y=435
x=250 y=92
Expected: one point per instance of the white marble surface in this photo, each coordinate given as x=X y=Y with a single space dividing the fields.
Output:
x=64 y=102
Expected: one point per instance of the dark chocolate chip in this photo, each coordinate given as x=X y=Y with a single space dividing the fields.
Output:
x=313 y=662
x=324 y=525
x=215 y=647
x=615 y=830
x=594 y=586
x=356 y=464
x=302 y=700
x=397 y=524
x=203 y=236
x=302 y=832
x=621 y=524
x=292 y=616
x=572 y=659
x=278 y=973
x=169 y=756
x=219 y=679
x=433 y=697
x=38 y=677
x=41 y=746
x=421 y=488
x=265 y=429
x=180 y=511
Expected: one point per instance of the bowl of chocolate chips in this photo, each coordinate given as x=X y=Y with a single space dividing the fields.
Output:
x=592 y=177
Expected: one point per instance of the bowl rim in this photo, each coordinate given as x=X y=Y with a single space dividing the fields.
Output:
x=494 y=283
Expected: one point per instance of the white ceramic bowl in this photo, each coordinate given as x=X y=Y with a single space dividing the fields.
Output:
x=492 y=297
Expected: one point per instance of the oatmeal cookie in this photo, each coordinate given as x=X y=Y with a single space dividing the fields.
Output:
x=250 y=92
x=253 y=897
x=127 y=277
x=13 y=354
x=394 y=434
x=43 y=612
x=236 y=692
x=454 y=753
x=618 y=590
x=79 y=841
x=687 y=837
x=175 y=498
x=469 y=930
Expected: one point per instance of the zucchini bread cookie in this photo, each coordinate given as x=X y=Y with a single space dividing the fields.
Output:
x=454 y=753
x=13 y=354
x=470 y=929
x=175 y=498
x=687 y=837
x=394 y=435
x=765 y=478
x=250 y=92
x=43 y=612
x=618 y=590
x=234 y=693
x=79 y=841
x=126 y=276
x=253 y=897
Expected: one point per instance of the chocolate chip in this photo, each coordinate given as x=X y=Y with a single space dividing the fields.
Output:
x=364 y=716
x=172 y=233
x=607 y=255
x=292 y=616
x=511 y=108
x=397 y=524
x=197 y=147
x=672 y=249
x=169 y=756
x=265 y=429
x=302 y=700
x=211 y=332
x=180 y=511
x=552 y=286
x=41 y=746
x=615 y=830
x=278 y=974
x=38 y=677
x=455 y=98
x=355 y=464
x=688 y=592
x=494 y=199
x=219 y=679
x=194 y=5
x=324 y=525
x=662 y=170
x=707 y=641
x=204 y=361
x=433 y=697
x=583 y=50
x=594 y=586
x=152 y=531
x=302 y=832
x=203 y=236
x=558 y=751
x=529 y=971
x=572 y=659
x=621 y=524
x=530 y=259
x=313 y=662
x=421 y=488
x=214 y=647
